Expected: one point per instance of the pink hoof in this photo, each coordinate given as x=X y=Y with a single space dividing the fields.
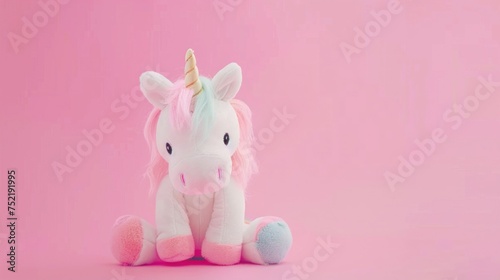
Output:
x=220 y=253
x=175 y=249
x=126 y=240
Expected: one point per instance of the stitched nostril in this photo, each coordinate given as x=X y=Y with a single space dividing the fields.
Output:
x=183 y=180
x=219 y=173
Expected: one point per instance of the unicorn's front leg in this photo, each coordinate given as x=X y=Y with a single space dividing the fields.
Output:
x=223 y=239
x=174 y=241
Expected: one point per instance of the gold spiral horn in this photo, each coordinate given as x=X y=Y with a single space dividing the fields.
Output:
x=191 y=75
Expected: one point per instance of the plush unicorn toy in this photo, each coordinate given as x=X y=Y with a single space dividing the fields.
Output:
x=200 y=140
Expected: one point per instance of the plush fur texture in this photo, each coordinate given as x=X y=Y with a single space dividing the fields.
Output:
x=201 y=162
x=243 y=160
x=221 y=254
x=127 y=239
x=176 y=249
x=273 y=242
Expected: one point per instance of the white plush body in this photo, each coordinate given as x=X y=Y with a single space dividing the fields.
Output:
x=200 y=199
x=216 y=217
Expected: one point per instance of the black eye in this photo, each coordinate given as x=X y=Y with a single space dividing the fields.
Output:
x=226 y=139
x=169 y=148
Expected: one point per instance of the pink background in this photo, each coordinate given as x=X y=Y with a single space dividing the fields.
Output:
x=323 y=173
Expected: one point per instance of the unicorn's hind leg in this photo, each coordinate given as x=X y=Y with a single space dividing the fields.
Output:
x=266 y=240
x=133 y=241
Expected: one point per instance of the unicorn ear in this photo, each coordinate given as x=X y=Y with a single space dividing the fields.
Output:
x=154 y=86
x=227 y=82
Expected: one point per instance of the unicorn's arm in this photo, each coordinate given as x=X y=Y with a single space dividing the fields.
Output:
x=222 y=244
x=174 y=241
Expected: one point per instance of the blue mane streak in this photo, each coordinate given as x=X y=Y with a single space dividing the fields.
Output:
x=204 y=114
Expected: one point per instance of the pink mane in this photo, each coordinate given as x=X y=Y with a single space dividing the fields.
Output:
x=243 y=160
x=180 y=100
x=157 y=166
